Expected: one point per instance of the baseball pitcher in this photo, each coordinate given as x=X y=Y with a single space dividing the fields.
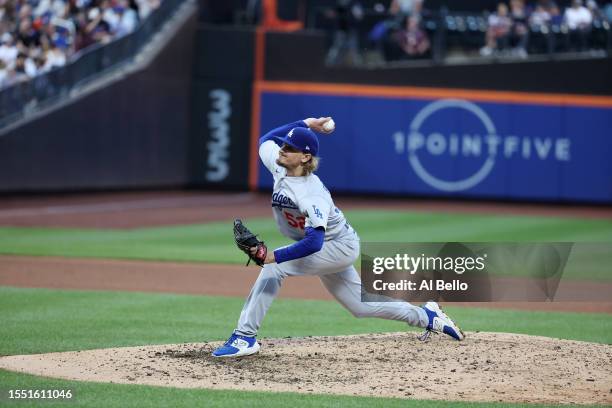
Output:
x=325 y=243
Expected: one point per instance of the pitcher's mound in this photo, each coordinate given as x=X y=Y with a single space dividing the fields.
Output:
x=484 y=367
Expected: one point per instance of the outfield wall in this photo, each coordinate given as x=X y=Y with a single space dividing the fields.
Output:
x=452 y=142
x=221 y=107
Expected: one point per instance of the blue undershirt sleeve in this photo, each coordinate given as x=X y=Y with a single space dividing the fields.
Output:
x=281 y=131
x=311 y=243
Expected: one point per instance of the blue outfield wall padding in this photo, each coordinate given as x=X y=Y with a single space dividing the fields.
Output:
x=453 y=147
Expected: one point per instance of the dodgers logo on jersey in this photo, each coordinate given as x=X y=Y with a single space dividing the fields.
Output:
x=317 y=212
x=282 y=201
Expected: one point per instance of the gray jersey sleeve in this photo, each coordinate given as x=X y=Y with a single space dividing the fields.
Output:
x=316 y=209
x=268 y=152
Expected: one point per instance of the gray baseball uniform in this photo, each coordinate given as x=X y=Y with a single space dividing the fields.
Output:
x=304 y=201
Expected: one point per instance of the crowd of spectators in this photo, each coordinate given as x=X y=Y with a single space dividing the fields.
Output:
x=510 y=26
x=401 y=29
x=37 y=36
x=404 y=30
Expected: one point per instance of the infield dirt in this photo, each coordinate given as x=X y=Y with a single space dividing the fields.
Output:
x=484 y=367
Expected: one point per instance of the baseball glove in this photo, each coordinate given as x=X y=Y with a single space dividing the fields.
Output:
x=245 y=240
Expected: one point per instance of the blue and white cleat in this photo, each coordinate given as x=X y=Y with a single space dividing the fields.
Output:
x=237 y=346
x=439 y=322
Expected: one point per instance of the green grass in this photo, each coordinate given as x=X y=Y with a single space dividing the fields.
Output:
x=213 y=242
x=35 y=321
x=120 y=395
x=44 y=320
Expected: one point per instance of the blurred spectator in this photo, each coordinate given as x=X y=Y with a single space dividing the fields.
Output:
x=497 y=36
x=519 y=31
x=399 y=12
x=128 y=18
x=551 y=8
x=540 y=22
x=578 y=20
x=540 y=18
x=98 y=27
x=596 y=12
x=345 y=42
x=578 y=17
x=27 y=34
x=396 y=36
x=8 y=49
x=54 y=58
x=20 y=68
x=412 y=39
x=29 y=64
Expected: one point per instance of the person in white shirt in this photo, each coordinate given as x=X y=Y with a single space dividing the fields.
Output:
x=128 y=19
x=8 y=50
x=498 y=31
x=579 y=20
x=578 y=17
x=54 y=58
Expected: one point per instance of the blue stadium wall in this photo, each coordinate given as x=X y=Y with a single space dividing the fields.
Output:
x=453 y=143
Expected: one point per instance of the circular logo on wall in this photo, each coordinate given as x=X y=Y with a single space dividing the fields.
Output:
x=436 y=143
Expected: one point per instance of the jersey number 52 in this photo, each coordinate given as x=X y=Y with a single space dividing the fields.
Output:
x=295 y=222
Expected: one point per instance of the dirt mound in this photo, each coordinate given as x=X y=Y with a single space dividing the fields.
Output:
x=485 y=367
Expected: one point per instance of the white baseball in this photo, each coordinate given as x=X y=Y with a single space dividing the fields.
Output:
x=329 y=126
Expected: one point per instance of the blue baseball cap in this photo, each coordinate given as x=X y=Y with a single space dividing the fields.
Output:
x=302 y=139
